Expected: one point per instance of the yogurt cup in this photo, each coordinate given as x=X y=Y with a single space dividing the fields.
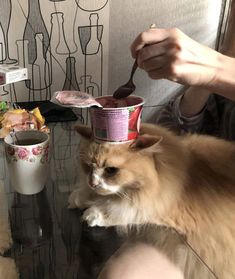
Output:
x=118 y=120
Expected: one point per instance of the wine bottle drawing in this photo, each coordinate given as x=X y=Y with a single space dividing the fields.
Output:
x=59 y=50
x=87 y=85
x=20 y=44
x=71 y=82
x=90 y=36
x=57 y=37
x=40 y=70
x=69 y=11
x=22 y=55
x=5 y=16
x=90 y=91
x=1 y=53
x=90 y=39
x=34 y=25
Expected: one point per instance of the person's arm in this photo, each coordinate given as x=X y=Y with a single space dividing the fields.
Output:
x=170 y=54
x=184 y=113
x=193 y=101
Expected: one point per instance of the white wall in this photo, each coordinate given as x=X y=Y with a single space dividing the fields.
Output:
x=107 y=69
x=197 y=18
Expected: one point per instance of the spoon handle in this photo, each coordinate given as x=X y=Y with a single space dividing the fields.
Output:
x=134 y=67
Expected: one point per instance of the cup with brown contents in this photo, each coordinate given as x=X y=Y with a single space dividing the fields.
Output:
x=27 y=155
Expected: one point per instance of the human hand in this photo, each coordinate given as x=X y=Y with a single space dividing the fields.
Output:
x=170 y=54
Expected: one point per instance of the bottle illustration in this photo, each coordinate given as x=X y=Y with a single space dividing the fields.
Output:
x=70 y=12
x=90 y=39
x=5 y=16
x=22 y=54
x=59 y=50
x=40 y=70
x=1 y=52
x=34 y=25
x=57 y=37
x=71 y=82
x=94 y=42
x=21 y=48
x=87 y=85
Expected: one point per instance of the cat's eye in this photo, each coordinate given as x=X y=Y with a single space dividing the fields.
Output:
x=111 y=170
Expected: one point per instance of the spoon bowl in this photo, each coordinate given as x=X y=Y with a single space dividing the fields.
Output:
x=128 y=88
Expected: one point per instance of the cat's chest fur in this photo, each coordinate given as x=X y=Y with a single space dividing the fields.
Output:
x=186 y=183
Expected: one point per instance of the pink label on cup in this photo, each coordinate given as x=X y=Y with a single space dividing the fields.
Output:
x=116 y=121
x=110 y=125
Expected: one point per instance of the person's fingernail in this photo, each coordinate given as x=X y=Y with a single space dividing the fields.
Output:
x=153 y=25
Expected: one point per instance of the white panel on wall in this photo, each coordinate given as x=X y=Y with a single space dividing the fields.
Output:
x=63 y=43
x=88 y=42
x=198 y=19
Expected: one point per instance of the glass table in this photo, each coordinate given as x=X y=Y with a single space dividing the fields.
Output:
x=50 y=241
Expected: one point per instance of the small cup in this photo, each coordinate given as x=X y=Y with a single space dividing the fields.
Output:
x=118 y=121
x=27 y=155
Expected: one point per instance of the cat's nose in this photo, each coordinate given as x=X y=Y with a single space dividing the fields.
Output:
x=94 y=183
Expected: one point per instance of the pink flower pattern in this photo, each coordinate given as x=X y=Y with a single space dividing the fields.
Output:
x=21 y=153
x=37 y=150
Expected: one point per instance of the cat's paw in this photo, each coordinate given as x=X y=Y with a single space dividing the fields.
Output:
x=94 y=217
x=75 y=200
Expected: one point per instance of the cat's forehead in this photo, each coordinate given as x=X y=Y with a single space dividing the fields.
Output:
x=108 y=154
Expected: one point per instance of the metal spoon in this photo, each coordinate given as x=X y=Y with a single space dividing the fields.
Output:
x=128 y=88
x=14 y=138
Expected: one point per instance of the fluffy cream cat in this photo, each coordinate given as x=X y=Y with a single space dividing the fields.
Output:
x=183 y=182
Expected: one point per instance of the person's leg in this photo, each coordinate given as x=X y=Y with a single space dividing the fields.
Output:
x=139 y=261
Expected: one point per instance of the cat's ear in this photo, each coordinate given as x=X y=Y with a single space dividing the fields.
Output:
x=147 y=143
x=84 y=131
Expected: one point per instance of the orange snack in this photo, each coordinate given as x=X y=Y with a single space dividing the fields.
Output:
x=21 y=119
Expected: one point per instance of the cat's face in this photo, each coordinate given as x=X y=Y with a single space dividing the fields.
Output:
x=119 y=169
x=116 y=169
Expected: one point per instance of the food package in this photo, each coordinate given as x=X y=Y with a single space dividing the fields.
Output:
x=14 y=120
x=12 y=73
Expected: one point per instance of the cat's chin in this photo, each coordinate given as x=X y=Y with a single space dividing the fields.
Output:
x=102 y=191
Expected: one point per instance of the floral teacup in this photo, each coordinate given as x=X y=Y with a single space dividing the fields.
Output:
x=27 y=157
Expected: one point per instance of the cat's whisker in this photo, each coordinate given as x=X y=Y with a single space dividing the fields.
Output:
x=126 y=196
x=123 y=195
x=118 y=194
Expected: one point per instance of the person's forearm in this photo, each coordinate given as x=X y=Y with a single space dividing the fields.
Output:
x=171 y=54
x=223 y=84
x=224 y=81
x=193 y=101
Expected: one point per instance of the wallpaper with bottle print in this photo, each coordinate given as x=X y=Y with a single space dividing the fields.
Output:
x=63 y=43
